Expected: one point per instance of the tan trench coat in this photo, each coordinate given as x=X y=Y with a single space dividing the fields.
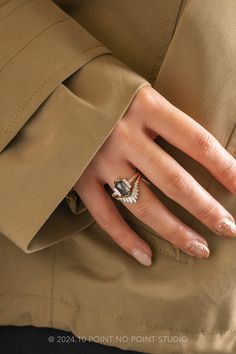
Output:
x=68 y=73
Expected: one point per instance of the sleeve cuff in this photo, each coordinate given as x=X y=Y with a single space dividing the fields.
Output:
x=45 y=159
x=42 y=48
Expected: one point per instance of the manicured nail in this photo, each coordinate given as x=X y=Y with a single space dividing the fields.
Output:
x=142 y=257
x=197 y=249
x=226 y=228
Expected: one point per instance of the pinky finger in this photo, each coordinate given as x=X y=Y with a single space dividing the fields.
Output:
x=110 y=220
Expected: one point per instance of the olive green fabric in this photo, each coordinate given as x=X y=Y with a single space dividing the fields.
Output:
x=58 y=268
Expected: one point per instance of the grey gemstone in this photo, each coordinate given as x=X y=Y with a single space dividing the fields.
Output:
x=122 y=187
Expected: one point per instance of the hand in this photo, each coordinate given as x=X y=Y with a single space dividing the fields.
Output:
x=131 y=145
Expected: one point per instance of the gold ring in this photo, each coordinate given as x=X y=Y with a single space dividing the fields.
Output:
x=127 y=190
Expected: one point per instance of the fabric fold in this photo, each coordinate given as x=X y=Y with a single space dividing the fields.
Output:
x=34 y=62
x=47 y=156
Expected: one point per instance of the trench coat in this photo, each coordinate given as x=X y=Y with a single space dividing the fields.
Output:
x=69 y=71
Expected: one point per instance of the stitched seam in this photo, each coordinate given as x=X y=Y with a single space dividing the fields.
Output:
x=44 y=83
x=178 y=258
x=142 y=323
x=15 y=9
x=159 y=248
x=153 y=75
x=32 y=39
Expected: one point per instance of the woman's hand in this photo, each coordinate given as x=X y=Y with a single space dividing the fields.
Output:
x=131 y=145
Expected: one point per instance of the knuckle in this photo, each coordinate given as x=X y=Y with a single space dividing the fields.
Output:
x=207 y=212
x=146 y=106
x=104 y=221
x=205 y=144
x=151 y=100
x=228 y=168
x=147 y=96
x=122 y=131
x=119 y=237
x=176 y=233
x=143 y=211
x=177 y=183
x=123 y=136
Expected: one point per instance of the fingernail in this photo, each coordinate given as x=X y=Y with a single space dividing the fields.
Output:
x=142 y=257
x=197 y=249
x=226 y=228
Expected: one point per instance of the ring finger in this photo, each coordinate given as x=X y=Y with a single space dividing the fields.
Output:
x=151 y=211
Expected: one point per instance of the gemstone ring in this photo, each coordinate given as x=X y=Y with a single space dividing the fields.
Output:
x=127 y=190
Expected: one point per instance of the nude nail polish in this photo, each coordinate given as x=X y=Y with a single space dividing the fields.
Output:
x=197 y=249
x=226 y=228
x=142 y=257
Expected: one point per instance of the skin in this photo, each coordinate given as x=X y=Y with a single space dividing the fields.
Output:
x=132 y=144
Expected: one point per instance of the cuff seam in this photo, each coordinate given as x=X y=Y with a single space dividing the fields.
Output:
x=32 y=39
x=21 y=109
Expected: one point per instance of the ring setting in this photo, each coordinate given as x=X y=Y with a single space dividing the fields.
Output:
x=127 y=190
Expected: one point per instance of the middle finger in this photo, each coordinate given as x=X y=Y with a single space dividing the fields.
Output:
x=173 y=180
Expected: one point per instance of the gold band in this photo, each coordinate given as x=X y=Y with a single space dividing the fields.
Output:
x=127 y=190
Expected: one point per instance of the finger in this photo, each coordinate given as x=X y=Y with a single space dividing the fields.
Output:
x=193 y=139
x=173 y=180
x=104 y=211
x=152 y=212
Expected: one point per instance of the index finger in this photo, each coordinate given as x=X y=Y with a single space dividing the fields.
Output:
x=186 y=134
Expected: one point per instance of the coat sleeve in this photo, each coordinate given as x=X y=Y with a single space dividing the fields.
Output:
x=62 y=93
